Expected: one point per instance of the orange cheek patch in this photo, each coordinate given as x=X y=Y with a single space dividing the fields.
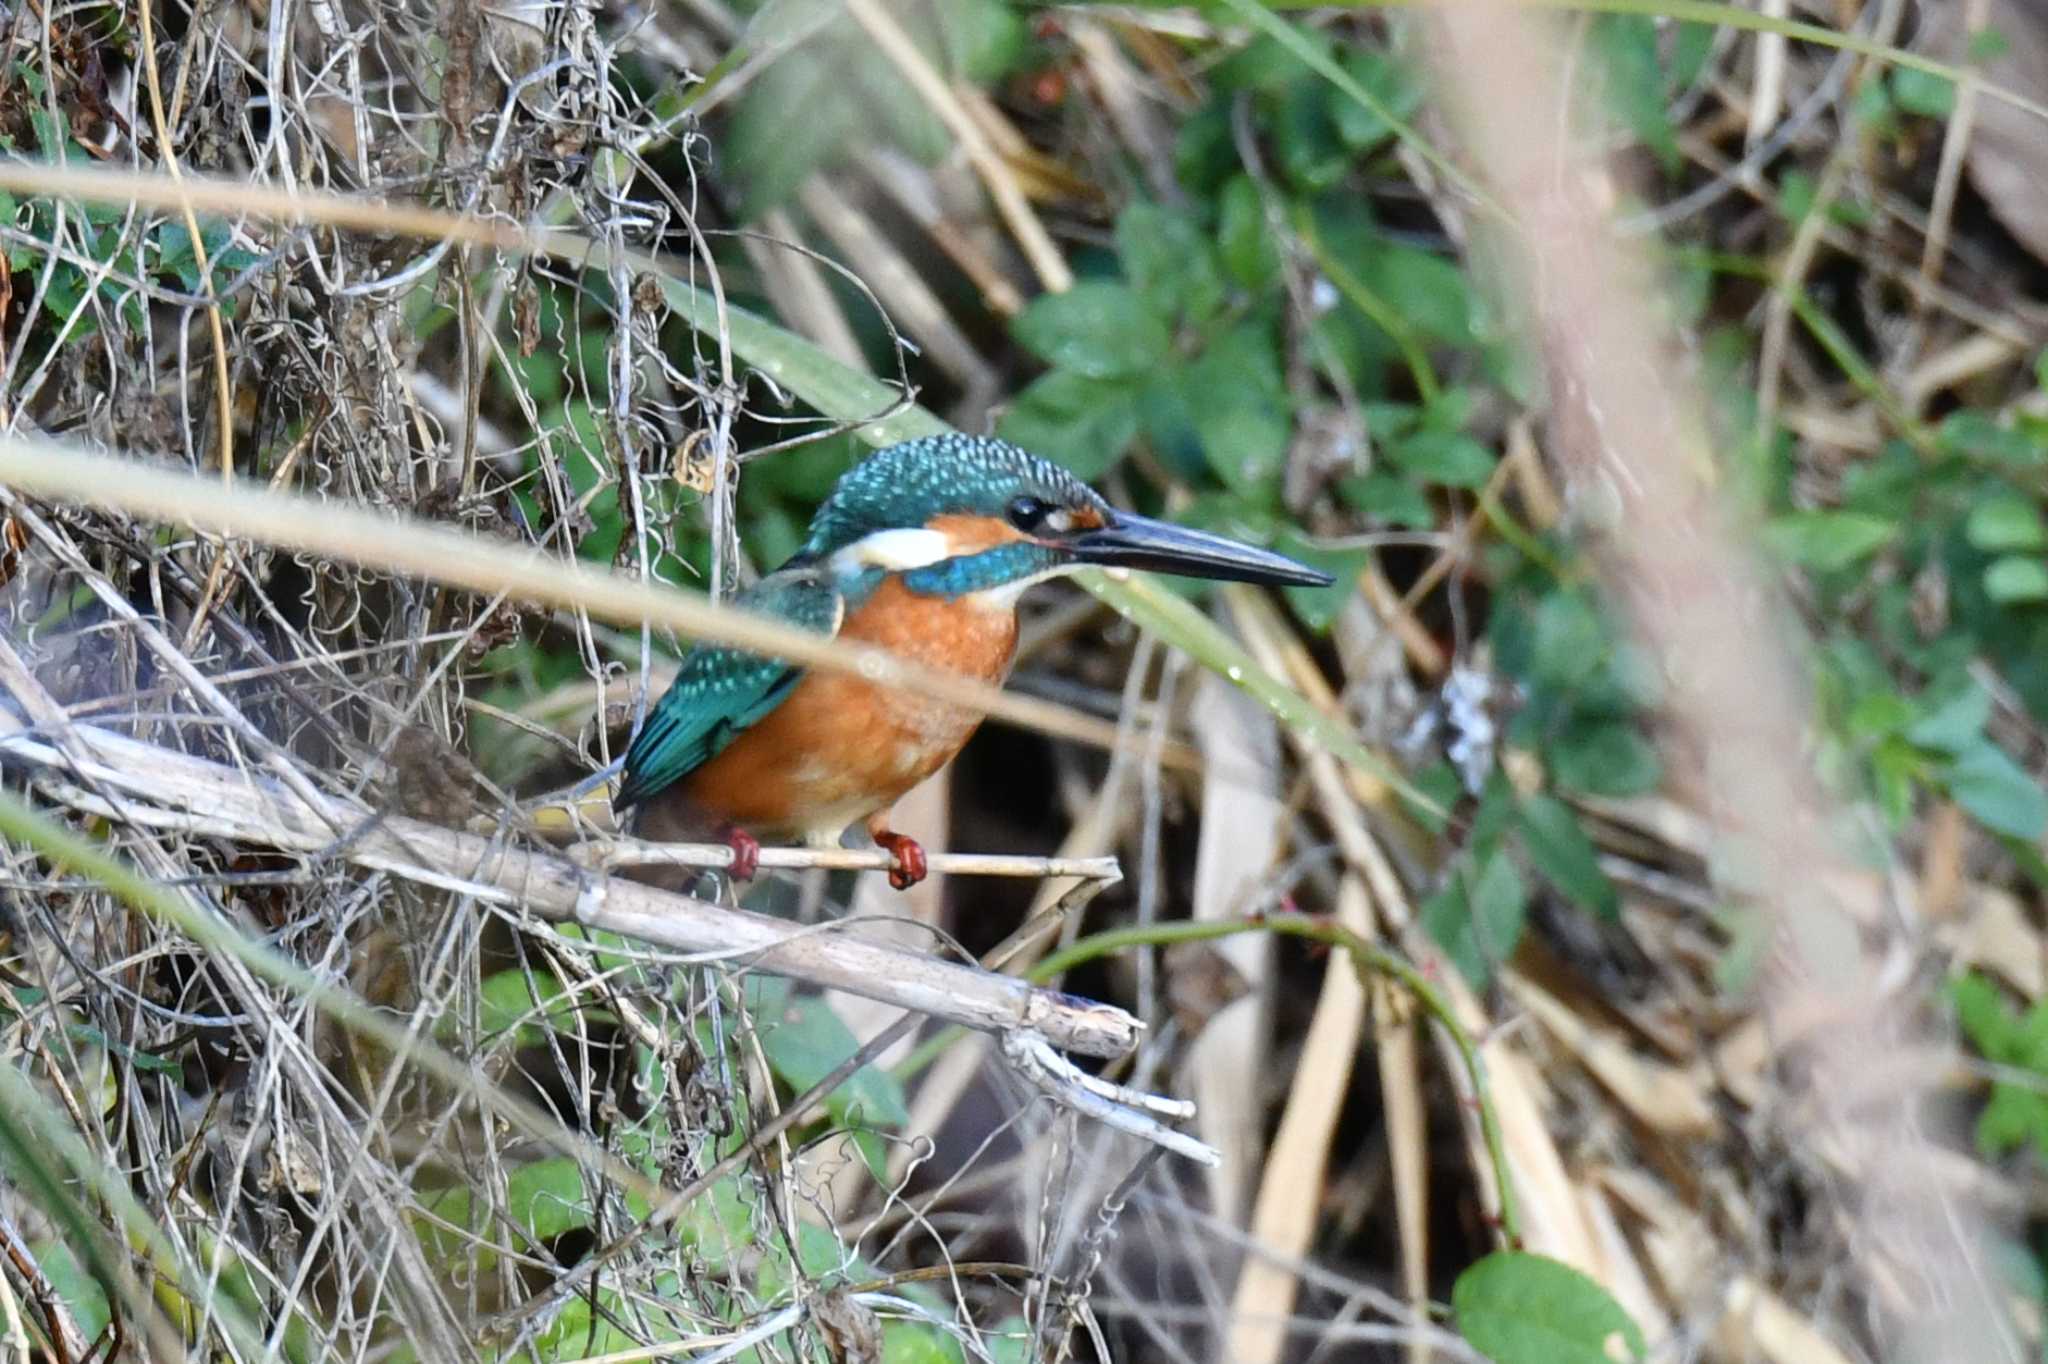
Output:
x=972 y=534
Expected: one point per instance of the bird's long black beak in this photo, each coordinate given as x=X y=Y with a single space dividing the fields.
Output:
x=1132 y=541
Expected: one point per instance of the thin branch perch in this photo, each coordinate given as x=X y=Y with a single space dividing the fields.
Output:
x=160 y=788
x=617 y=852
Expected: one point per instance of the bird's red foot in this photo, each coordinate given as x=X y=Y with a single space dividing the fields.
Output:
x=910 y=864
x=746 y=852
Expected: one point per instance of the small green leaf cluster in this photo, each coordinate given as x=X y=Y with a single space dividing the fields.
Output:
x=1186 y=338
x=2017 y=1115
x=1584 y=686
x=1479 y=913
x=1932 y=558
x=1646 y=65
x=1581 y=693
x=728 y=1230
x=104 y=260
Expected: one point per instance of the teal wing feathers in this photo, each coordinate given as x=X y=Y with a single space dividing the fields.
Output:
x=720 y=691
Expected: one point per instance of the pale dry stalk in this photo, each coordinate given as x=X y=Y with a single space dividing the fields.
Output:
x=1628 y=430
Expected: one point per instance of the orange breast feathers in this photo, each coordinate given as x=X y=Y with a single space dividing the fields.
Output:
x=841 y=748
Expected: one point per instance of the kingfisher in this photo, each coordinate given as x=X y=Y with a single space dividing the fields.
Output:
x=922 y=549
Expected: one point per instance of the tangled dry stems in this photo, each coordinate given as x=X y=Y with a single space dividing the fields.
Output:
x=320 y=1195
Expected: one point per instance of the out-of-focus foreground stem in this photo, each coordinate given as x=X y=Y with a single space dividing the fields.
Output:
x=1628 y=430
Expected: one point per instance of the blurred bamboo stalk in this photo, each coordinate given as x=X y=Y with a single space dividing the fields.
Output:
x=1633 y=442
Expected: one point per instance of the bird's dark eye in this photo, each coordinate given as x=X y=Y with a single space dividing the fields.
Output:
x=1028 y=513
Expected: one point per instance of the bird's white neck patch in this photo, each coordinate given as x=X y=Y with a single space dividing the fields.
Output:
x=895 y=551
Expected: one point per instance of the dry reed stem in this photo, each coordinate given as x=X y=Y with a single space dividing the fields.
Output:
x=1288 y=1206
x=1955 y=143
x=1243 y=826
x=224 y=397
x=932 y=88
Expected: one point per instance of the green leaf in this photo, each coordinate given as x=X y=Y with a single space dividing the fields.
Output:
x=981 y=40
x=1987 y=45
x=1998 y=793
x=2006 y=522
x=1605 y=758
x=906 y=1342
x=2016 y=578
x=2012 y=1118
x=1975 y=435
x=176 y=256
x=586 y=1325
x=1984 y=1017
x=1242 y=236
x=1565 y=856
x=547 y=1198
x=1478 y=917
x=718 y=1225
x=141 y=1060
x=1085 y=424
x=1169 y=261
x=1427 y=291
x=1263 y=65
x=1387 y=81
x=1451 y=458
x=1312 y=155
x=1205 y=151
x=1955 y=724
x=1895 y=768
x=1923 y=93
x=1568 y=641
x=1517 y=1308
x=534 y=1004
x=1878 y=715
x=77 y=1288
x=1828 y=540
x=1097 y=329
x=804 y=1041
x=1235 y=397
x=1010 y=1342
x=1637 y=87
x=1439 y=783
x=1389 y=499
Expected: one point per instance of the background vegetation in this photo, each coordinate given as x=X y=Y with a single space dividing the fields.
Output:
x=1232 y=263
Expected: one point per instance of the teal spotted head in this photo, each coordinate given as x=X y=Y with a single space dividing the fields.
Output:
x=971 y=514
